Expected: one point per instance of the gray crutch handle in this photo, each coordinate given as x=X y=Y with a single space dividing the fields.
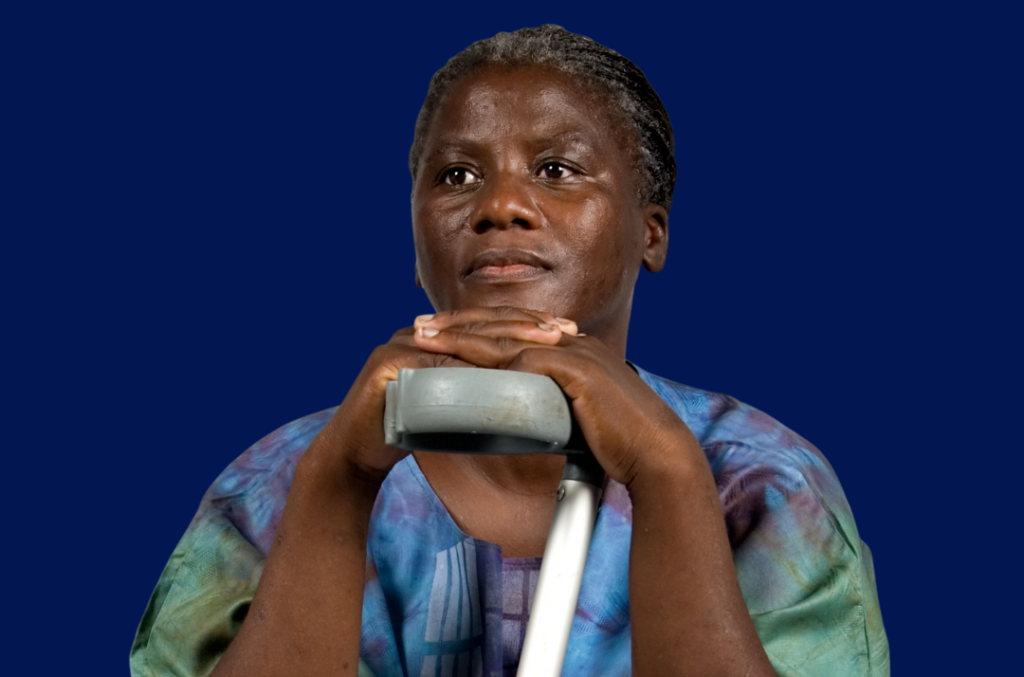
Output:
x=492 y=411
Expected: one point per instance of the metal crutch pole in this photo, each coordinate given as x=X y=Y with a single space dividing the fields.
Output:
x=490 y=411
x=561 y=570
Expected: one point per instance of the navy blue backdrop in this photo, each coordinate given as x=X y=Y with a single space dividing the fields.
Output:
x=206 y=228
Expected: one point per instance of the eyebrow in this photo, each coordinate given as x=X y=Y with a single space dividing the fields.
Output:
x=452 y=146
x=571 y=138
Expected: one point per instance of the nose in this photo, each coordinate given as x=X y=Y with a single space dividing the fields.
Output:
x=505 y=201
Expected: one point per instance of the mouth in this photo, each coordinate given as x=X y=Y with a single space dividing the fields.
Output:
x=506 y=265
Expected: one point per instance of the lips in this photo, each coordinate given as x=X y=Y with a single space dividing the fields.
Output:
x=499 y=265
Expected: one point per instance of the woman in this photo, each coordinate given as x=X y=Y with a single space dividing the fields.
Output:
x=542 y=180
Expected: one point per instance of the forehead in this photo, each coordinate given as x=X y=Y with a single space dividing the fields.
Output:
x=498 y=102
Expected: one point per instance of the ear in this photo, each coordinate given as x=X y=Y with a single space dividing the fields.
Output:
x=417 y=269
x=655 y=237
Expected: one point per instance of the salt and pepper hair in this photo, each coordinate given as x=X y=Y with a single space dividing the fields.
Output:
x=630 y=95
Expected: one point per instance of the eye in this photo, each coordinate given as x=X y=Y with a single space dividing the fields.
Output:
x=459 y=176
x=555 y=170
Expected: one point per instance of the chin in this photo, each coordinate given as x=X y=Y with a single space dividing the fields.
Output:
x=517 y=296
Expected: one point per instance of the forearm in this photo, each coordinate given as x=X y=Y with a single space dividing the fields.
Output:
x=306 y=616
x=687 y=611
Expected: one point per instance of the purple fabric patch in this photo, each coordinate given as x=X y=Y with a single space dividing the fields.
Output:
x=519 y=581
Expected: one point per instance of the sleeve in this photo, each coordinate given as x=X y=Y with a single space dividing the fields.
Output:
x=199 y=603
x=806 y=577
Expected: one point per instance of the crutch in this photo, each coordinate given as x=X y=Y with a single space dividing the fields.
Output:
x=492 y=411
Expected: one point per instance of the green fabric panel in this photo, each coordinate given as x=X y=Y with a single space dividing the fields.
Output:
x=199 y=603
x=836 y=630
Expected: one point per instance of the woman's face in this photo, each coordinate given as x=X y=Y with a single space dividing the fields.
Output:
x=525 y=197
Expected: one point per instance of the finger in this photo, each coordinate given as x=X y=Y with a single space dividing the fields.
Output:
x=564 y=362
x=403 y=336
x=477 y=349
x=533 y=332
x=403 y=353
x=451 y=318
x=445 y=319
x=356 y=431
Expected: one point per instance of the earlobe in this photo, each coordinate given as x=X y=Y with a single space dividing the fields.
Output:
x=655 y=237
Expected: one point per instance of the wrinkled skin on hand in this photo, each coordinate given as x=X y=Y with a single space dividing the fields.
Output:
x=620 y=416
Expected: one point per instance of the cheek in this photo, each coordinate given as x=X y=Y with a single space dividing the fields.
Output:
x=437 y=243
x=434 y=236
x=604 y=241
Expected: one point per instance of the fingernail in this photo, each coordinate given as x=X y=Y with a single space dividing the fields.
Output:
x=428 y=333
x=563 y=320
x=423 y=319
x=545 y=326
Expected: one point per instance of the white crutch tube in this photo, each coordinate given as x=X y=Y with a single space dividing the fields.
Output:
x=488 y=411
x=561 y=573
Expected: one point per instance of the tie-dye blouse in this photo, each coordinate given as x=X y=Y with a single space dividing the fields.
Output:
x=433 y=598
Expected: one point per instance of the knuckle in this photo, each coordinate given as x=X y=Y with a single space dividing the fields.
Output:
x=402 y=337
x=446 y=361
x=461 y=337
x=520 y=363
x=528 y=356
x=381 y=353
x=403 y=332
x=433 y=360
x=391 y=356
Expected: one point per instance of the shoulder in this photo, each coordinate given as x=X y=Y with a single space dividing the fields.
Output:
x=207 y=586
x=748 y=450
x=805 y=574
x=252 y=490
x=762 y=468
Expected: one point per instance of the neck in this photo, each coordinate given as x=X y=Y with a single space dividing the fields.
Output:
x=611 y=331
x=525 y=476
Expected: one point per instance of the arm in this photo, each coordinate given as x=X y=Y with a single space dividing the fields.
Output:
x=306 y=614
x=686 y=607
x=687 y=611
x=305 y=617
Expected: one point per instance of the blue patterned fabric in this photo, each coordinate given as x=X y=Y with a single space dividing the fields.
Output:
x=433 y=602
x=519 y=582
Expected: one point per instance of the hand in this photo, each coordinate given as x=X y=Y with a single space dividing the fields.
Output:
x=629 y=428
x=353 y=440
x=686 y=607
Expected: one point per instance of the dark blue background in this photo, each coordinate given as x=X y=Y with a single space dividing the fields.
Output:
x=206 y=230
